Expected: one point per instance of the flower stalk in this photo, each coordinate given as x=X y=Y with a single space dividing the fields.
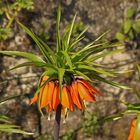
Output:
x=57 y=122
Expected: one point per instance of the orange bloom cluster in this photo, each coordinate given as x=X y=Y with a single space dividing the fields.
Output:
x=132 y=130
x=72 y=95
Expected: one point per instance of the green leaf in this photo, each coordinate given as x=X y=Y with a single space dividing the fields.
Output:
x=85 y=55
x=136 y=26
x=110 y=82
x=4 y=119
x=83 y=75
x=14 y=130
x=87 y=49
x=26 y=55
x=105 y=54
x=130 y=12
x=60 y=59
x=78 y=38
x=38 y=64
x=90 y=63
x=68 y=59
x=58 y=39
x=80 y=67
x=127 y=26
x=37 y=41
x=5 y=99
x=50 y=52
x=70 y=31
x=50 y=72
x=102 y=35
x=113 y=117
x=92 y=44
x=131 y=35
x=133 y=106
x=120 y=36
x=74 y=42
x=61 y=72
x=6 y=126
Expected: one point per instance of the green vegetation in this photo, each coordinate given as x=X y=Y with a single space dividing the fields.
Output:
x=9 y=12
x=130 y=28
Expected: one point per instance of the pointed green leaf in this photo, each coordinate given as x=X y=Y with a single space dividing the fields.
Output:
x=78 y=38
x=26 y=55
x=83 y=75
x=86 y=51
x=50 y=72
x=40 y=46
x=12 y=129
x=86 y=48
x=74 y=42
x=87 y=54
x=80 y=67
x=58 y=39
x=110 y=82
x=90 y=63
x=68 y=59
x=6 y=126
x=105 y=54
x=50 y=52
x=3 y=100
x=4 y=119
x=70 y=31
x=102 y=35
x=38 y=64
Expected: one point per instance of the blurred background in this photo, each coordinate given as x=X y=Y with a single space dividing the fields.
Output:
x=120 y=17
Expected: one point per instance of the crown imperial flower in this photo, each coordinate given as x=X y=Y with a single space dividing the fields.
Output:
x=74 y=94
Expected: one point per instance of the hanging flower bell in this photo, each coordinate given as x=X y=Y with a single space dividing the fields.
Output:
x=73 y=95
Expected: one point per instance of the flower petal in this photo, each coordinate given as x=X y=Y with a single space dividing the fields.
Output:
x=75 y=95
x=43 y=96
x=84 y=93
x=90 y=87
x=37 y=96
x=66 y=99
x=48 y=110
x=56 y=99
x=34 y=99
x=50 y=92
x=132 y=130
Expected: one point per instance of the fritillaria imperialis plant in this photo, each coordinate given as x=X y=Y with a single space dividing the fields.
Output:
x=69 y=70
